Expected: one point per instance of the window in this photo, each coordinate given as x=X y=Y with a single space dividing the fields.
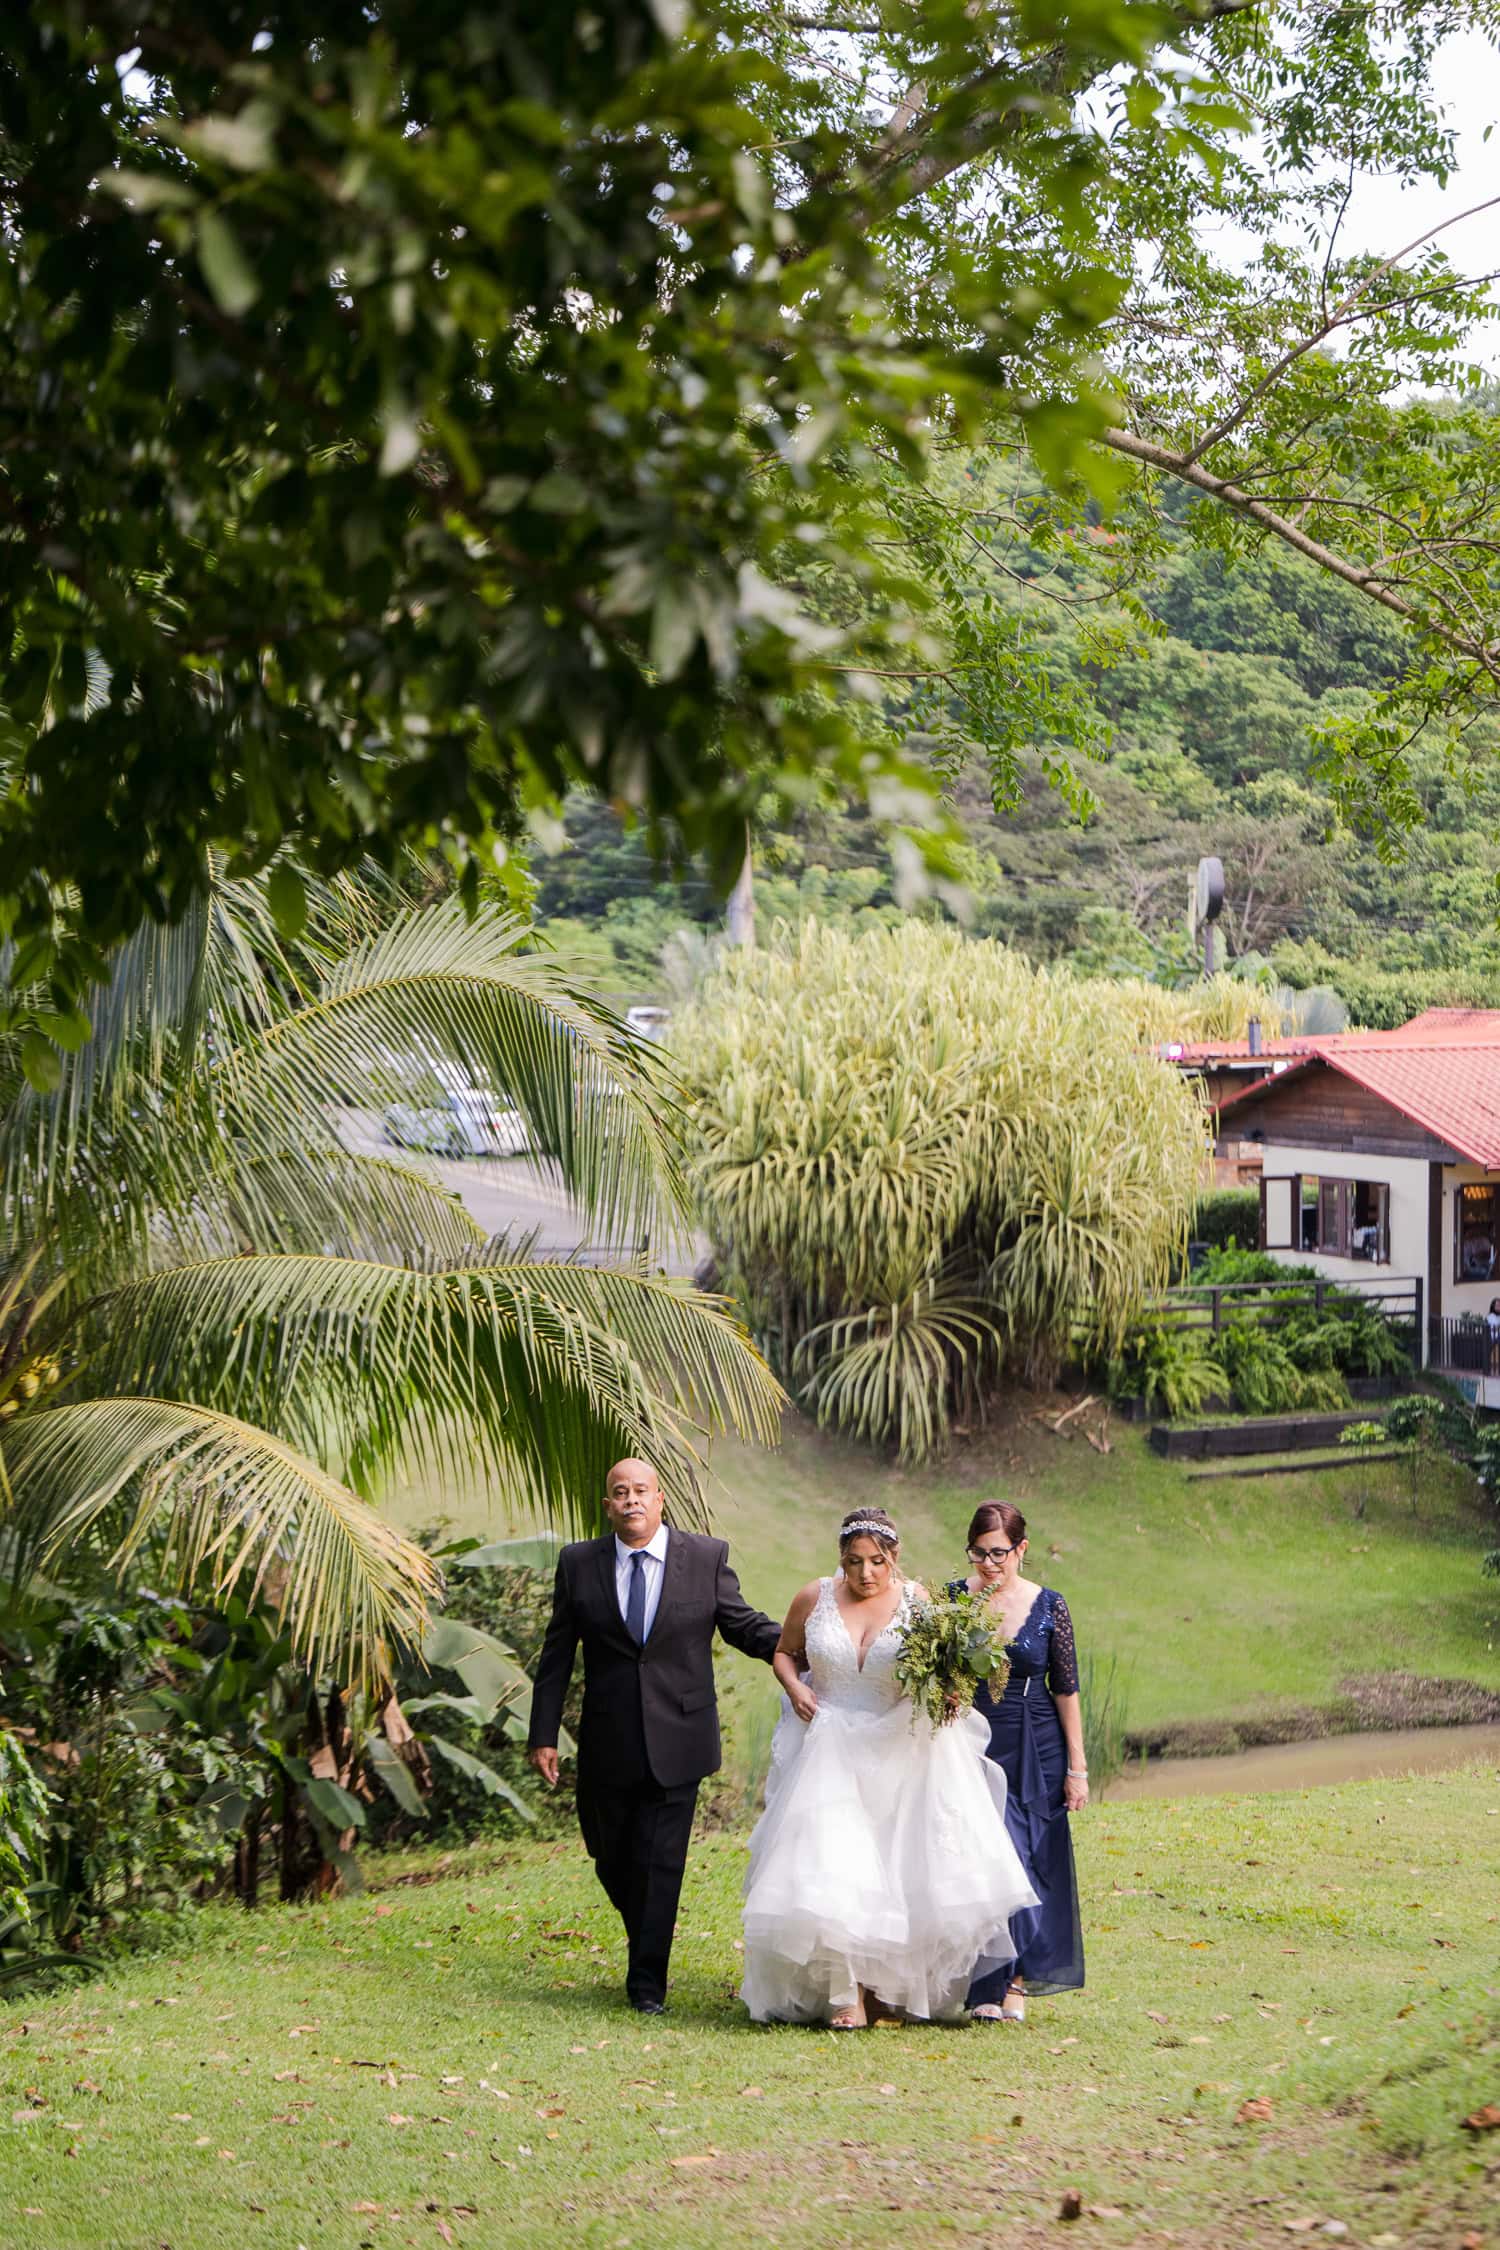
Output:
x=1476 y=1231
x=1327 y=1218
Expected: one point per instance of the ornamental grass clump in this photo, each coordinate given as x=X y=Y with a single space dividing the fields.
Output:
x=924 y=1163
x=947 y=1648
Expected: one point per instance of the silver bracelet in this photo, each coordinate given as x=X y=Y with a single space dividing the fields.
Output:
x=1078 y=1773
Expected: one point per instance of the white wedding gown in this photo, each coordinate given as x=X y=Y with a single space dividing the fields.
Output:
x=882 y=1857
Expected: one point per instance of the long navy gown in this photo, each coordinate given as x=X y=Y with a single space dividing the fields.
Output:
x=1027 y=1742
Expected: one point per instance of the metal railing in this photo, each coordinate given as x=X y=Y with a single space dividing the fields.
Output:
x=1466 y=1346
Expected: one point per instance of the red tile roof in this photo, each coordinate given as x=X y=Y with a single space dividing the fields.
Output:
x=1445 y=1077
x=1210 y=1051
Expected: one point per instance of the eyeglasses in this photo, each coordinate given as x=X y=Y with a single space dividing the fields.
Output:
x=990 y=1554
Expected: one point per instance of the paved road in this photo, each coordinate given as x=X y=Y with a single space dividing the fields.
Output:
x=507 y=1193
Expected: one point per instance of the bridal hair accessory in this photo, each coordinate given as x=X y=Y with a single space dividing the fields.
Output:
x=870 y=1530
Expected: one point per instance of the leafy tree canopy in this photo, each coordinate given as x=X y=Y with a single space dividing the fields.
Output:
x=408 y=412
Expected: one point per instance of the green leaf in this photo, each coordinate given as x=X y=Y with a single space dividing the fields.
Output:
x=337 y=1807
x=487 y=1669
x=486 y=1776
x=286 y=895
x=42 y=1063
x=147 y=191
x=538 y=1553
x=226 y=269
x=467 y=1706
x=396 y=1775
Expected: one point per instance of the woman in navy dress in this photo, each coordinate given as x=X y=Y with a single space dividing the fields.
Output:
x=1036 y=1737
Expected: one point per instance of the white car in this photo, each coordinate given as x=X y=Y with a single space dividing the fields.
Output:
x=466 y=1122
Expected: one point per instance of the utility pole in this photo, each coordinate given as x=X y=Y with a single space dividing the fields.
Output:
x=1204 y=908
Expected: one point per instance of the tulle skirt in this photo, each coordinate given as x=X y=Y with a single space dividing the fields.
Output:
x=881 y=1859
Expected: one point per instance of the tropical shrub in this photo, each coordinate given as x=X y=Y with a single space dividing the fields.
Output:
x=116 y=1834
x=1232 y=1267
x=1265 y=1378
x=1229 y=1219
x=921 y=1160
x=1170 y=1369
x=504 y=1592
x=23 y=1818
x=1220 y=1007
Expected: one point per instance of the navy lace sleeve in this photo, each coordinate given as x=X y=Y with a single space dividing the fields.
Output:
x=1062 y=1656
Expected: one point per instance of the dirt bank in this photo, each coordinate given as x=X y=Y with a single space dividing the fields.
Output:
x=1367 y=1703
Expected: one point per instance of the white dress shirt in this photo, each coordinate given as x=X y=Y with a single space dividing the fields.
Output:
x=655 y=1552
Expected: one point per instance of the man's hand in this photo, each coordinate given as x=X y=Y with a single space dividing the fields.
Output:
x=545 y=1761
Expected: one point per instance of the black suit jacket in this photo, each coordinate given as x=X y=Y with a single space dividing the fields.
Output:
x=653 y=1709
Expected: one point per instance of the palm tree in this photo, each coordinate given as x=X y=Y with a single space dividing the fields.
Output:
x=222 y=1330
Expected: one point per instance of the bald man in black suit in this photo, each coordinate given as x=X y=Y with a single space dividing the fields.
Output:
x=643 y=1603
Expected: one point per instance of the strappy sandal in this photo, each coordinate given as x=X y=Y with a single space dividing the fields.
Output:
x=1013 y=2007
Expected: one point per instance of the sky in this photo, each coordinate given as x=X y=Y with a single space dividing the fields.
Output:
x=1384 y=215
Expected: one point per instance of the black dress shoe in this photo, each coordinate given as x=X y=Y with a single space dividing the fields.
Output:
x=649 y=2007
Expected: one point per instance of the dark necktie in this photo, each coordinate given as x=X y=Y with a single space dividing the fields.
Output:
x=635 y=1599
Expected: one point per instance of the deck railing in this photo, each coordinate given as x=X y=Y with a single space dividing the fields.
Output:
x=1399 y=1302
x=1467 y=1346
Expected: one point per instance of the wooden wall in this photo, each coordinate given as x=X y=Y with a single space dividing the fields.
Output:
x=1316 y=1107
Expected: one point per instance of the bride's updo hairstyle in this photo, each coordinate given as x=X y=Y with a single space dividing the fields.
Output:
x=997 y=1515
x=869 y=1523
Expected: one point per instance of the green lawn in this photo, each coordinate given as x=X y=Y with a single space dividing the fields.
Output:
x=1222 y=1598
x=446 y=2061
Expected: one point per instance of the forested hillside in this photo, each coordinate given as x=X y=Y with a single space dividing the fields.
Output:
x=1206 y=698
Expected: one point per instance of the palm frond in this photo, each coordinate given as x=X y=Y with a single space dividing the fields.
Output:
x=434 y=990
x=541 y=1372
x=242 y=1509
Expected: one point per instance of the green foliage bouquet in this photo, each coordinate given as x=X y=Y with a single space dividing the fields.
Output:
x=947 y=1648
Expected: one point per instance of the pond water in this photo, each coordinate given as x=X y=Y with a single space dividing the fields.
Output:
x=1310 y=1765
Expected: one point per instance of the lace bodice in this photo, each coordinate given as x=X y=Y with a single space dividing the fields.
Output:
x=1044 y=1645
x=833 y=1660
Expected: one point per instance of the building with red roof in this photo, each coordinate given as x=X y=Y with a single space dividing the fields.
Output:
x=1379 y=1158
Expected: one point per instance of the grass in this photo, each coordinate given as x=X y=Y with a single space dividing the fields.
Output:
x=1219 y=1600
x=445 y=2060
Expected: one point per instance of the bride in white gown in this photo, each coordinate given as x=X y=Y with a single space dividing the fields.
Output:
x=881 y=1869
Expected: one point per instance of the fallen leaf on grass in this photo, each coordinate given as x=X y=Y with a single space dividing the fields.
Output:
x=750 y=2093
x=552 y=2113
x=885 y=2089
x=1486 y=2120
x=687 y=2163
x=445 y=2230
x=1257 y=2111
x=368 y=2208
x=395 y=2118
x=1105 y=2211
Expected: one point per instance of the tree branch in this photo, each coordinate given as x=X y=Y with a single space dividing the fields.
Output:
x=1365 y=581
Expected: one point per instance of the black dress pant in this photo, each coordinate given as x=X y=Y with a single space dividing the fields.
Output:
x=637 y=1835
